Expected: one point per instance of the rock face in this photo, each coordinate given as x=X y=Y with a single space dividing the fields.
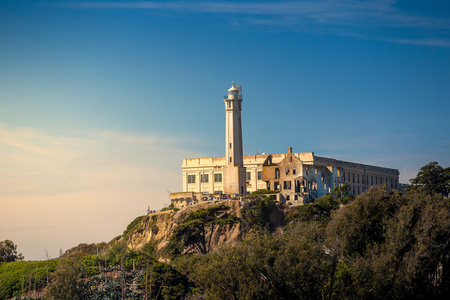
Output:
x=158 y=227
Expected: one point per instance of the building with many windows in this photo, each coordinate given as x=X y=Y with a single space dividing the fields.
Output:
x=299 y=177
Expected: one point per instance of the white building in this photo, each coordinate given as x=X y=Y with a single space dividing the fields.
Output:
x=300 y=177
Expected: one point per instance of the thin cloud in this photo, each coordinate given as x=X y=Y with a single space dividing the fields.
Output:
x=426 y=42
x=371 y=15
x=378 y=12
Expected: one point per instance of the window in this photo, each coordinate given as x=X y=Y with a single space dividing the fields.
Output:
x=338 y=173
x=307 y=171
x=204 y=178
x=259 y=175
x=287 y=171
x=295 y=197
x=321 y=178
x=358 y=178
x=287 y=185
x=277 y=173
x=376 y=180
x=294 y=170
x=218 y=177
x=348 y=176
x=343 y=176
x=371 y=180
x=231 y=160
x=353 y=178
x=363 y=179
x=191 y=178
x=287 y=198
x=276 y=186
x=230 y=145
x=315 y=171
x=248 y=176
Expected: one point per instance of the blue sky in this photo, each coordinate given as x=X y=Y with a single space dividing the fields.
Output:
x=100 y=100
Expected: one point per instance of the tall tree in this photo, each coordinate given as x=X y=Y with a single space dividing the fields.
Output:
x=8 y=252
x=433 y=179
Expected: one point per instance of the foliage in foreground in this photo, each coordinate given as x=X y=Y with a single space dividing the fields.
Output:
x=381 y=244
x=120 y=273
x=20 y=277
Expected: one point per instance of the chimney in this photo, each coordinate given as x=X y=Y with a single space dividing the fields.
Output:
x=289 y=150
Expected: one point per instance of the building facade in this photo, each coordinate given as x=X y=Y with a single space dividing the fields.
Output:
x=299 y=177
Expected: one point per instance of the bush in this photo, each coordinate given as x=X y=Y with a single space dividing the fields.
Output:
x=264 y=192
x=133 y=224
x=16 y=276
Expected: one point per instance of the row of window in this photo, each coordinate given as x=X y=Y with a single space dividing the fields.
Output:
x=248 y=176
x=365 y=179
x=204 y=178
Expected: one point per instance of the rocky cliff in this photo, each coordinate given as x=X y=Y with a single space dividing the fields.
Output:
x=158 y=227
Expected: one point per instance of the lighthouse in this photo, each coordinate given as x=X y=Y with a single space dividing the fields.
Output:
x=234 y=171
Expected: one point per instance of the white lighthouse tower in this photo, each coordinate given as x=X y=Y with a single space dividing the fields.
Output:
x=234 y=172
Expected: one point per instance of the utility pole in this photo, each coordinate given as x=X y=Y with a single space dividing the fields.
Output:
x=46 y=256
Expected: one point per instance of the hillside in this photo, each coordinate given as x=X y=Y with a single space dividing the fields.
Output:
x=157 y=228
x=378 y=244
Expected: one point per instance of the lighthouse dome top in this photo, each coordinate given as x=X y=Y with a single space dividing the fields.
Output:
x=233 y=88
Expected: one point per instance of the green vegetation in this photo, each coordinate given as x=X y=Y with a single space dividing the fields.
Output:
x=264 y=192
x=162 y=281
x=433 y=179
x=8 y=252
x=117 y=272
x=378 y=245
x=133 y=224
x=320 y=211
x=85 y=249
x=381 y=243
x=256 y=213
x=19 y=277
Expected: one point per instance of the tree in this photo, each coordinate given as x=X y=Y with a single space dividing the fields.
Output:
x=8 y=252
x=195 y=232
x=288 y=264
x=65 y=281
x=322 y=208
x=433 y=179
x=162 y=281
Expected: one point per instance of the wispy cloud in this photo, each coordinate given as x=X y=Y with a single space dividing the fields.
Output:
x=68 y=184
x=370 y=14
